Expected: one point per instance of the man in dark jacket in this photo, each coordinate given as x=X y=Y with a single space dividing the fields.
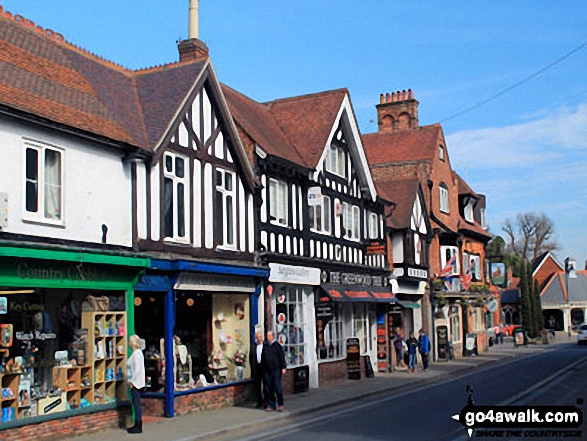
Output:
x=273 y=365
x=256 y=369
x=424 y=348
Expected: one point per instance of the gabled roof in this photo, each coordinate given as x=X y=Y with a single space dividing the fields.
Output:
x=258 y=121
x=539 y=261
x=45 y=76
x=463 y=187
x=419 y=144
x=308 y=121
x=402 y=193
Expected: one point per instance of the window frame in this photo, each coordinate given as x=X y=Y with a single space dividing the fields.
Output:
x=373 y=226
x=296 y=297
x=483 y=218
x=441 y=153
x=468 y=212
x=221 y=212
x=334 y=333
x=176 y=182
x=351 y=213
x=278 y=195
x=40 y=215
x=341 y=155
x=325 y=201
x=443 y=201
x=444 y=258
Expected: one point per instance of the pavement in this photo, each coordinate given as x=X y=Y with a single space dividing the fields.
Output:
x=208 y=423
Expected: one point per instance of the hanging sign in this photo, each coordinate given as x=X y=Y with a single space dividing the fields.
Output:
x=498 y=275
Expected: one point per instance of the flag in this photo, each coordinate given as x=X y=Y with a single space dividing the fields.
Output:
x=450 y=267
x=466 y=279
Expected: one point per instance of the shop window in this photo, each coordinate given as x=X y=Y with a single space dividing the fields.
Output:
x=361 y=325
x=577 y=317
x=43 y=183
x=335 y=161
x=225 y=208
x=476 y=273
x=443 y=198
x=320 y=215
x=175 y=191
x=334 y=342
x=373 y=226
x=455 y=325
x=351 y=221
x=290 y=322
x=211 y=330
x=55 y=349
x=278 y=202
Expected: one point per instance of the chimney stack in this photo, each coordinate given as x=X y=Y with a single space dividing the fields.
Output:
x=398 y=111
x=192 y=49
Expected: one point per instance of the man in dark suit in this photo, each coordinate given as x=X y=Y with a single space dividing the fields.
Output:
x=257 y=369
x=273 y=365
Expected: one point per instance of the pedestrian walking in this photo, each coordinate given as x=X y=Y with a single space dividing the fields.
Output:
x=398 y=345
x=424 y=347
x=256 y=368
x=412 y=352
x=501 y=332
x=136 y=380
x=496 y=333
x=273 y=366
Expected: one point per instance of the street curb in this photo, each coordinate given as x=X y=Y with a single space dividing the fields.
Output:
x=341 y=401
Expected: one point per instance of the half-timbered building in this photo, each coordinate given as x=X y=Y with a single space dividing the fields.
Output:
x=321 y=228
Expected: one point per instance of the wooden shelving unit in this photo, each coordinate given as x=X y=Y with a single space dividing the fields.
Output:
x=10 y=381
x=107 y=350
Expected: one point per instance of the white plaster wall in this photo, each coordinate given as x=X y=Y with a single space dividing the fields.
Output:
x=96 y=187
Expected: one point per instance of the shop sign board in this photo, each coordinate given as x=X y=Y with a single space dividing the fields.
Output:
x=341 y=278
x=498 y=274
x=209 y=282
x=470 y=344
x=324 y=312
x=64 y=274
x=301 y=376
x=300 y=275
x=442 y=339
x=353 y=358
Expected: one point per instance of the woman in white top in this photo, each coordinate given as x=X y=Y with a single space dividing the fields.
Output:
x=136 y=381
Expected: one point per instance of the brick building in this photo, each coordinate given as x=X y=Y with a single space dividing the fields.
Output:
x=404 y=150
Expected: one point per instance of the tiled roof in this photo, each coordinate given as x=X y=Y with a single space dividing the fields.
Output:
x=420 y=144
x=307 y=120
x=462 y=185
x=403 y=194
x=55 y=80
x=258 y=121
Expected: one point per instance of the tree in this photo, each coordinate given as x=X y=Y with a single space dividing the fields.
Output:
x=537 y=308
x=530 y=235
x=525 y=300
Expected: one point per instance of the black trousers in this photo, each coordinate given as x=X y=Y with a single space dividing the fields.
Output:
x=258 y=378
x=273 y=389
x=136 y=403
x=425 y=360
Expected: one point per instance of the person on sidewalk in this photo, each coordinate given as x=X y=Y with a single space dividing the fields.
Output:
x=501 y=332
x=424 y=347
x=273 y=366
x=136 y=381
x=398 y=345
x=256 y=368
x=412 y=352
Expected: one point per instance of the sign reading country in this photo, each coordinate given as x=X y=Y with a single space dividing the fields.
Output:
x=498 y=275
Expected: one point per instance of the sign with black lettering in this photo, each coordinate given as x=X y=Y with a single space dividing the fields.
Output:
x=353 y=358
x=442 y=339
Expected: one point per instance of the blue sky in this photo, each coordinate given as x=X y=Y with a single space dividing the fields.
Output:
x=525 y=150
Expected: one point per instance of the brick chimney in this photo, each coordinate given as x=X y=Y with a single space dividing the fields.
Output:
x=192 y=49
x=397 y=111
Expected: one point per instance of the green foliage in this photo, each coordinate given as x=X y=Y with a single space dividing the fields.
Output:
x=537 y=308
x=526 y=299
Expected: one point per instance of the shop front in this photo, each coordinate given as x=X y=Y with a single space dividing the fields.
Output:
x=349 y=305
x=198 y=321
x=64 y=325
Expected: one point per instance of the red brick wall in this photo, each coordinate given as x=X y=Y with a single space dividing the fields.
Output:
x=410 y=170
x=332 y=372
x=212 y=399
x=68 y=427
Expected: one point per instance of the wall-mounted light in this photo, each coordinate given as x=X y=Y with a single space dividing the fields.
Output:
x=138 y=301
x=190 y=302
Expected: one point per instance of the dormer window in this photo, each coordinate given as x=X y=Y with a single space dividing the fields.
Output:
x=443 y=198
x=441 y=152
x=336 y=160
x=468 y=212
x=483 y=219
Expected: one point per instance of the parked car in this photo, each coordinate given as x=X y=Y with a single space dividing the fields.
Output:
x=508 y=330
x=582 y=335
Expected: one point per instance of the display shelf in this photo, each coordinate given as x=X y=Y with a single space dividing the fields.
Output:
x=106 y=354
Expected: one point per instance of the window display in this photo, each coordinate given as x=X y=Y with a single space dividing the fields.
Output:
x=211 y=339
x=333 y=347
x=290 y=317
x=57 y=353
